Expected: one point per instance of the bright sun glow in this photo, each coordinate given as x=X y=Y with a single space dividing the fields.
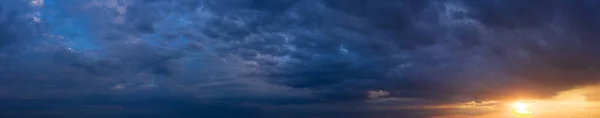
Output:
x=521 y=108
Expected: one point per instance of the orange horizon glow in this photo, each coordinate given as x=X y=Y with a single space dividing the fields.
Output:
x=520 y=108
x=576 y=103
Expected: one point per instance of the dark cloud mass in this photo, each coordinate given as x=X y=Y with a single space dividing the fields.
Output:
x=288 y=58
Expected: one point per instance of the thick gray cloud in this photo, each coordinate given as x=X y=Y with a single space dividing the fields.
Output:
x=306 y=58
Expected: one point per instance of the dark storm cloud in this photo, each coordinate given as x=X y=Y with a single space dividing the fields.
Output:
x=13 y=20
x=150 y=104
x=245 y=56
x=482 y=47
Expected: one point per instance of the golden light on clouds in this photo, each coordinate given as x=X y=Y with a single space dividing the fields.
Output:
x=567 y=104
x=521 y=108
x=576 y=103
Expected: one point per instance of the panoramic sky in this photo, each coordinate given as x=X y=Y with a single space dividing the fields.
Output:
x=299 y=58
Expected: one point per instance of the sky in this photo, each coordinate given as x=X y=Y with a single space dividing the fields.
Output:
x=299 y=58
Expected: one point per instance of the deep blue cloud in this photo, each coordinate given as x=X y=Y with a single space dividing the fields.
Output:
x=287 y=58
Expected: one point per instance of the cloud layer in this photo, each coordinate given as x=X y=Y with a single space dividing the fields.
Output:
x=305 y=58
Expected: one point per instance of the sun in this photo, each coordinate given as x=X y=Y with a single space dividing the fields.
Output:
x=520 y=108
